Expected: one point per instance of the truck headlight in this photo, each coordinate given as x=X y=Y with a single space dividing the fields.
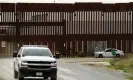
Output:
x=24 y=63
x=53 y=64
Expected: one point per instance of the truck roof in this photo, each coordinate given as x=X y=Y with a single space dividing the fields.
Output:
x=35 y=47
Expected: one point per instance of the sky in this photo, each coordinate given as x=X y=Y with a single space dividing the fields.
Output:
x=64 y=1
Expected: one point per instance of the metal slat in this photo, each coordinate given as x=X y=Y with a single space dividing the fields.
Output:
x=104 y=17
x=91 y=27
x=85 y=22
x=97 y=29
x=120 y=23
x=115 y=23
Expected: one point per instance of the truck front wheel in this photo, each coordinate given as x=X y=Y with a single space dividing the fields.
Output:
x=15 y=74
x=53 y=78
x=45 y=77
x=117 y=55
x=19 y=76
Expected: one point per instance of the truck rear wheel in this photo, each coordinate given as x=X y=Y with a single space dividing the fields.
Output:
x=100 y=55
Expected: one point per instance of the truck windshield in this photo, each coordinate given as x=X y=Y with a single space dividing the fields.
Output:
x=37 y=52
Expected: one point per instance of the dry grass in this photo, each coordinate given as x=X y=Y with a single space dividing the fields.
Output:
x=125 y=64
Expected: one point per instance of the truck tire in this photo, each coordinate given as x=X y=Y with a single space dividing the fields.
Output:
x=117 y=55
x=53 y=78
x=19 y=76
x=15 y=74
x=45 y=77
x=100 y=55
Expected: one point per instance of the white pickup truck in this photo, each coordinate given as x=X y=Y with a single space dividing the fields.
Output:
x=34 y=61
x=109 y=52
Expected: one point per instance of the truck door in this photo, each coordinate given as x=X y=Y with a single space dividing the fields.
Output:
x=113 y=51
x=108 y=53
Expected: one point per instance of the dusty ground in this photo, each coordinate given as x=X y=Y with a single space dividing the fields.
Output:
x=68 y=69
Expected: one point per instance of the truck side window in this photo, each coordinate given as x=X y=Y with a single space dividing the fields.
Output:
x=108 y=50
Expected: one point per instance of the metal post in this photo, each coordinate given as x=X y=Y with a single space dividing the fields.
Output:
x=17 y=25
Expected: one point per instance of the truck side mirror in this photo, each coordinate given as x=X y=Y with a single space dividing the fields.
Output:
x=19 y=55
x=15 y=54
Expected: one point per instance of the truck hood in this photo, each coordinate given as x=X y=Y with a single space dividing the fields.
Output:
x=38 y=58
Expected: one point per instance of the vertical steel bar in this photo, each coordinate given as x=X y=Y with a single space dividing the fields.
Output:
x=79 y=22
x=74 y=22
x=121 y=22
x=95 y=20
x=127 y=22
x=91 y=22
x=84 y=23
